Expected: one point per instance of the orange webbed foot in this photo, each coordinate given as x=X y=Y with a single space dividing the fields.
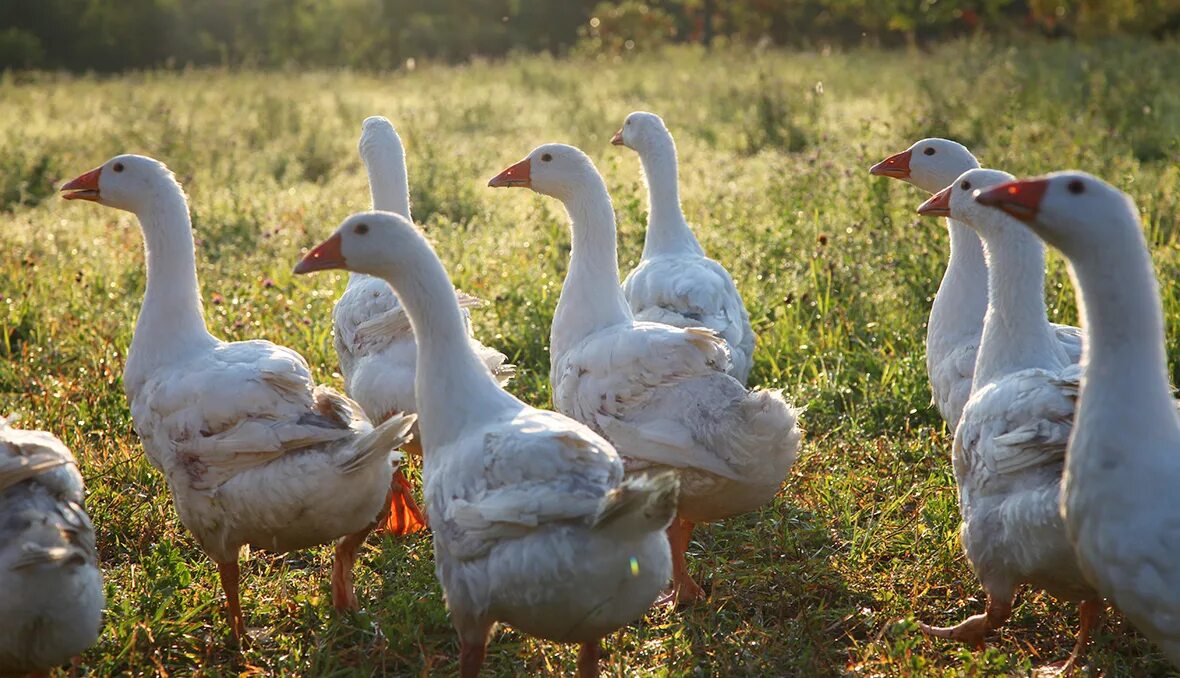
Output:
x=404 y=515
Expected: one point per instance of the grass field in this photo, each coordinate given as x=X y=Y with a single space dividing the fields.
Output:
x=837 y=270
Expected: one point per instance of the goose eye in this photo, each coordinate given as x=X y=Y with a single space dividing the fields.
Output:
x=545 y=157
x=966 y=185
x=1076 y=187
x=118 y=167
x=361 y=229
x=929 y=151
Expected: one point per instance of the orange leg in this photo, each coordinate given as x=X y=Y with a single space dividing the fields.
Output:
x=974 y=629
x=685 y=590
x=471 y=658
x=1089 y=612
x=230 y=574
x=343 y=588
x=343 y=593
x=473 y=643
x=588 y=659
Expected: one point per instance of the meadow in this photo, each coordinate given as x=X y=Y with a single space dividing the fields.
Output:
x=837 y=270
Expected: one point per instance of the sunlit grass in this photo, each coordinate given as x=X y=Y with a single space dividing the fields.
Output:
x=837 y=270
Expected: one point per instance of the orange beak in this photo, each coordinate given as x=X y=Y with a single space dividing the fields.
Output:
x=1020 y=199
x=84 y=187
x=617 y=139
x=938 y=205
x=896 y=166
x=325 y=255
x=517 y=175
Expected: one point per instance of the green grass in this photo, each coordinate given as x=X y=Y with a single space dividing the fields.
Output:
x=836 y=268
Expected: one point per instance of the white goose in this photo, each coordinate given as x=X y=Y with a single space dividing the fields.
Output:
x=659 y=393
x=1123 y=464
x=372 y=334
x=253 y=451
x=1009 y=448
x=533 y=523
x=675 y=283
x=51 y=595
x=956 y=317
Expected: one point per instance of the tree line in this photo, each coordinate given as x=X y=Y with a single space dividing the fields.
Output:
x=115 y=35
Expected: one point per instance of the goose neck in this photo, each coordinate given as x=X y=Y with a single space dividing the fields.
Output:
x=1126 y=368
x=591 y=298
x=667 y=230
x=961 y=301
x=389 y=185
x=966 y=249
x=452 y=385
x=389 y=188
x=171 y=319
x=1016 y=330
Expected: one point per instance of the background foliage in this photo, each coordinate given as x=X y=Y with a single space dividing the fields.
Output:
x=113 y=35
x=836 y=268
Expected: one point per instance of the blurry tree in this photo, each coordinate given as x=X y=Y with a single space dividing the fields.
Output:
x=1089 y=18
x=629 y=25
x=547 y=25
x=20 y=48
x=113 y=35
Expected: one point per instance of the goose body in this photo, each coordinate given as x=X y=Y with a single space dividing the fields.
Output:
x=675 y=283
x=1009 y=446
x=1124 y=457
x=51 y=596
x=955 y=326
x=254 y=452
x=533 y=522
x=673 y=406
x=660 y=393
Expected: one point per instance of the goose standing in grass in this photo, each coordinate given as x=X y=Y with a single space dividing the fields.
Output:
x=533 y=522
x=956 y=317
x=675 y=283
x=1009 y=449
x=372 y=334
x=1123 y=464
x=254 y=452
x=51 y=596
x=660 y=394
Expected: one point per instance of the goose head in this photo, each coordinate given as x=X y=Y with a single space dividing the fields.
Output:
x=378 y=134
x=1072 y=211
x=957 y=201
x=930 y=164
x=126 y=182
x=556 y=170
x=641 y=131
x=373 y=243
